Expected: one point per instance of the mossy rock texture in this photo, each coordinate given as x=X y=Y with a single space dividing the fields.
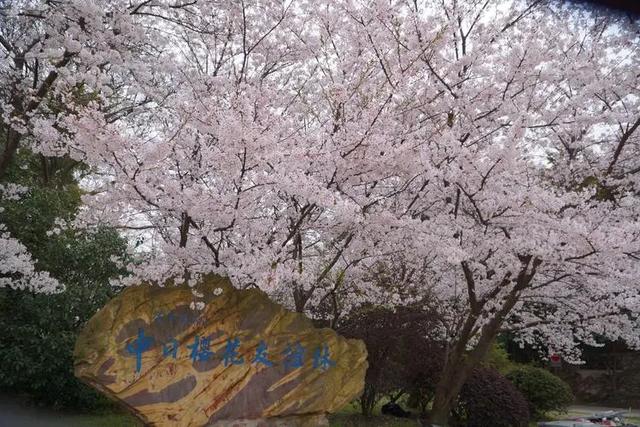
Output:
x=160 y=351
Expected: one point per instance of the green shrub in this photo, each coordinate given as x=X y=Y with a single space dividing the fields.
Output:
x=543 y=390
x=38 y=331
x=498 y=359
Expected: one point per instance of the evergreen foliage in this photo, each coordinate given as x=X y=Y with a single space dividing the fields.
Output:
x=543 y=390
x=37 y=330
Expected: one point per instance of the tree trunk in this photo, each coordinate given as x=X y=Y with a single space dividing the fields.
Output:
x=184 y=229
x=458 y=366
x=454 y=375
x=300 y=298
x=457 y=370
x=368 y=400
x=13 y=139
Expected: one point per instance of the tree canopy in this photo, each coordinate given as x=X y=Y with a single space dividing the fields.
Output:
x=483 y=153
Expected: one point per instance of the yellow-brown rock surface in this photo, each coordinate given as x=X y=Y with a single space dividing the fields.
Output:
x=150 y=350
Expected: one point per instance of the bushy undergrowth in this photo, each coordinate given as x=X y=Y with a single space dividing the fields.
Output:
x=544 y=391
x=489 y=399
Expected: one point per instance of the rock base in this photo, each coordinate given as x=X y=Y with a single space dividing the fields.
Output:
x=301 y=421
x=240 y=361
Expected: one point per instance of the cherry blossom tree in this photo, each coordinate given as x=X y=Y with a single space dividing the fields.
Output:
x=57 y=57
x=522 y=194
x=529 y=199
x=479 y=156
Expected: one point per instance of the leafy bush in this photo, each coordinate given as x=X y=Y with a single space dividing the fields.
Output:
x=498 y=359
x=489 y=399
x=543 y=390
x=38 y=331
x=423 y=364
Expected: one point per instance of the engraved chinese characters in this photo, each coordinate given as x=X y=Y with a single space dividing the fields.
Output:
x=241 y=357
x=199 y=350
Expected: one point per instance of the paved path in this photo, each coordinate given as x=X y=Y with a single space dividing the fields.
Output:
x=13 y=414
x=588 y=410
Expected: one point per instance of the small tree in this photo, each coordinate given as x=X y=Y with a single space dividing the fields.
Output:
x=424 y=360
x=400 y=355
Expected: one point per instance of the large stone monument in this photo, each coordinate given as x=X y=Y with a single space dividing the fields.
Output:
x=213 y=355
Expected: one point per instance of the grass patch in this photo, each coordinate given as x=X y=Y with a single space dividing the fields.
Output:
x=350 y=416
x=357 y=420
x=103 y=420
x=347 y=417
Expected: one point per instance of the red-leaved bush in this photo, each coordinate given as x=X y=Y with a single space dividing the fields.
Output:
x=489 y=399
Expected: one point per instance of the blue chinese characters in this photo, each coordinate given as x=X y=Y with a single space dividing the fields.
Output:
x=261 y=355
x=199 y=350
x=138 y=346
x=230 y=355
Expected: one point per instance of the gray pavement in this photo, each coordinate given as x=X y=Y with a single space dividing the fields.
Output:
x=14 y=414
x=588 y=410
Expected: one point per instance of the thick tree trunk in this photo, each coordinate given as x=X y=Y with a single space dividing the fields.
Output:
x=456 y=372
x=460 y=365
x=447 y=390
x=453 y=378
x=300 y=298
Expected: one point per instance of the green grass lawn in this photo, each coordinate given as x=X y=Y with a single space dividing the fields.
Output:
x=346 y=418
x=349 y=416
x=357 y=420
x=103 y=420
